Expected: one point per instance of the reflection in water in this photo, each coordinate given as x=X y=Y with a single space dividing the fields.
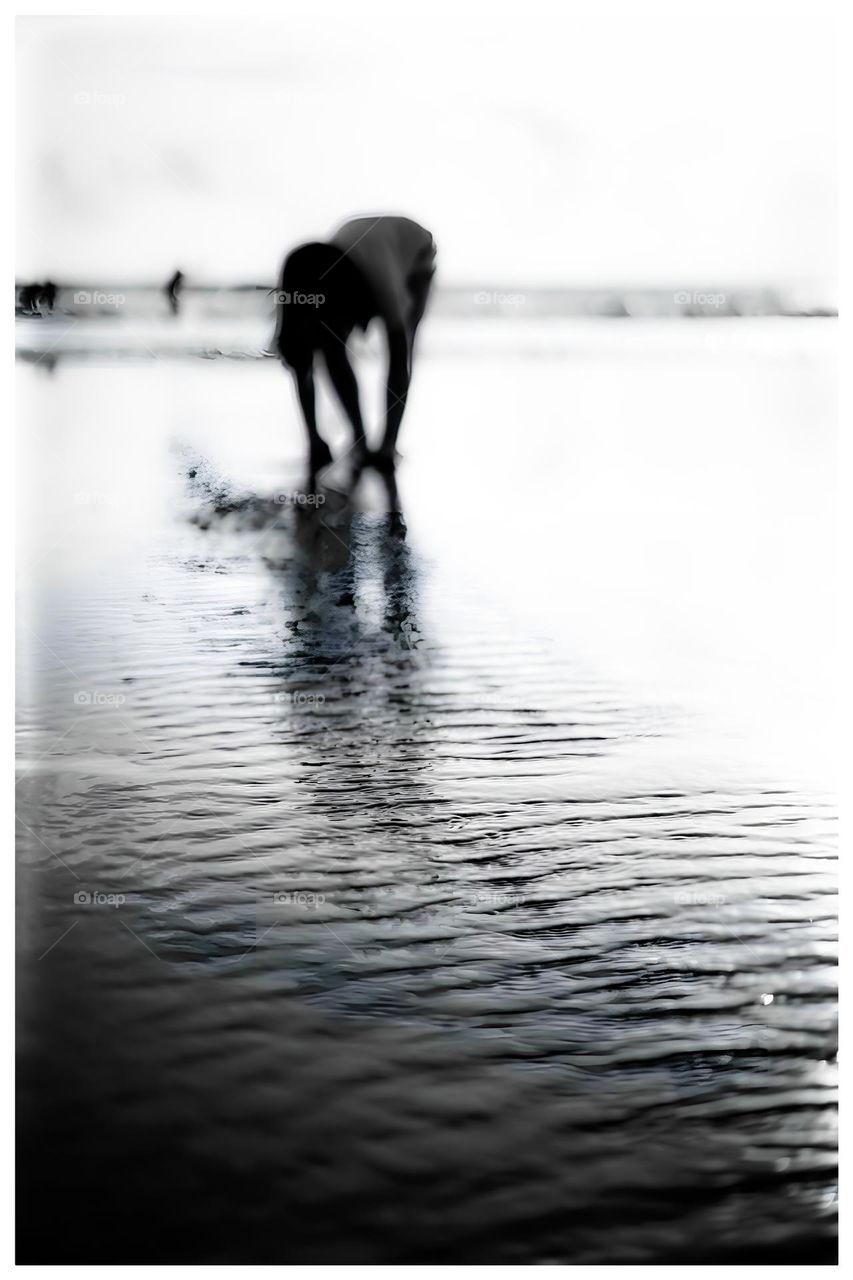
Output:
x=348 y=677
x=426 y=933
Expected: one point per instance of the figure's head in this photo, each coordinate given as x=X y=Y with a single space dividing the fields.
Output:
x=321 y=297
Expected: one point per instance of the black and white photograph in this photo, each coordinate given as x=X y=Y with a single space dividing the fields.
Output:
x=425 y=433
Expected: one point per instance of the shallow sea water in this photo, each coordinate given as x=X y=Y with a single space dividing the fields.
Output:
x=439 y=871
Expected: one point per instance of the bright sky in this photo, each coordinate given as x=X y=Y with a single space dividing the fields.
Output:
x=550 y=146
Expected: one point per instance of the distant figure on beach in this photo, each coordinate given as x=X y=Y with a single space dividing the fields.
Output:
x=379 y=267
x=173 y=289
x=29 y=296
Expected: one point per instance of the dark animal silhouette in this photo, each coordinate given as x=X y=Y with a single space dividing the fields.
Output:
x=371 y=268
x=173 y=289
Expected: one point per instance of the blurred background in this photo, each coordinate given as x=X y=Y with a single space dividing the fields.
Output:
x=675 y=146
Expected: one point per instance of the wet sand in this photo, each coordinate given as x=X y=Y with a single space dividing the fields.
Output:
x=440 y=875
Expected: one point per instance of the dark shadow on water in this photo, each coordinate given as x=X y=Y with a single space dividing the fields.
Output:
x=347 y=572
x=350 y=668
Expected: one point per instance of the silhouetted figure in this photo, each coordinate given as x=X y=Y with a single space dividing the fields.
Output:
x=47 y=296
x=173 y=290
x=28 y=300
x=371 y=268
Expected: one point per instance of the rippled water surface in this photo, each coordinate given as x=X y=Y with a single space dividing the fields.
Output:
x=433 y=873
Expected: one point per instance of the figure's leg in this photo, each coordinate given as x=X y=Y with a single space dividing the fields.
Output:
x=419 y=284
x=319 y=453
x=401 y=351
x=346 y=385
x=397 y=391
